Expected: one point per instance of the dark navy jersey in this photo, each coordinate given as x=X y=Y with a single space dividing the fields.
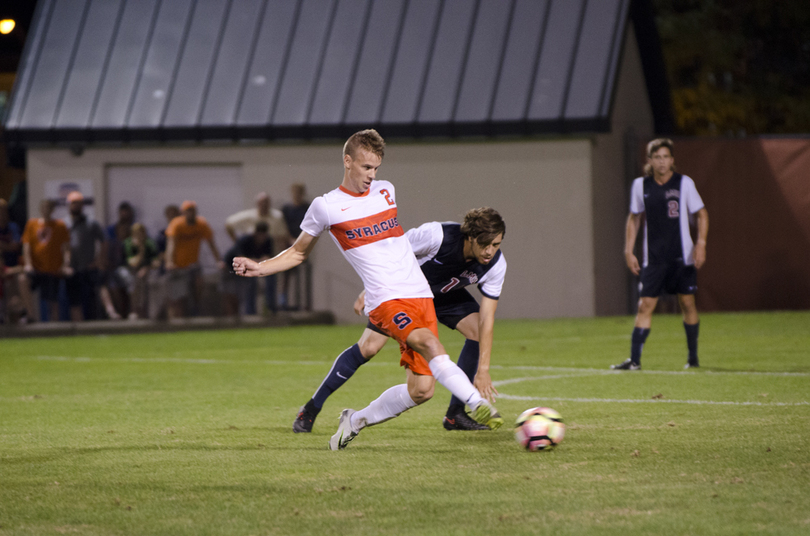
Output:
x=667 y=208
x=439 y=247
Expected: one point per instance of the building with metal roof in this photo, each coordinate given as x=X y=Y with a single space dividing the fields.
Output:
x=531 y=106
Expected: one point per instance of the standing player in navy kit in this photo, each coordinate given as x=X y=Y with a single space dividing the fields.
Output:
x=452 y=256
x=671 y=261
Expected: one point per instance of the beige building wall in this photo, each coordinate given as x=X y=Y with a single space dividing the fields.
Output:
x=632 y=119
x=563 y=200
x=541 y=187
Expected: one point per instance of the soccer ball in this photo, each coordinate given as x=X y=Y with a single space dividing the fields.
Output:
x=539 y=429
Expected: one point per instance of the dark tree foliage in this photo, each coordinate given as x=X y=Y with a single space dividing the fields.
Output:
x=737 y=67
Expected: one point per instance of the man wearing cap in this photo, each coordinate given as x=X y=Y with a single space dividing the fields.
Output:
x=46 y=258
x=183 y=237
x=243 y=223
x=88 y=258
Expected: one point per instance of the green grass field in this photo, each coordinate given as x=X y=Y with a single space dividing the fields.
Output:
x=190 y=434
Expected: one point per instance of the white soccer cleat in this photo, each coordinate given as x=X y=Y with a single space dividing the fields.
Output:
x=344 y=432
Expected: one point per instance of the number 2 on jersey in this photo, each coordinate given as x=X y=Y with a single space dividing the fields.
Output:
x=387 y=195
x=672 y=209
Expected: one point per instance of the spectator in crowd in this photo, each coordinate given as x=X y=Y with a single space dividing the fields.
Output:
x=141 y=255
x=294 y=213
x=18 y=204
x=170 y=212
x=46 y=259
x=243 y=223
x=183 y=237
x=257 y=246
x=88 y=260
x=116 y=278
x=10 y=250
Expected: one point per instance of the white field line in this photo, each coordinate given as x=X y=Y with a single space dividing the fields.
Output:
x=651 y=401
x=596 y=372
x=549 y=377
x=572 y=373
x=178 y=360
x=575 y=370
x=665 y=372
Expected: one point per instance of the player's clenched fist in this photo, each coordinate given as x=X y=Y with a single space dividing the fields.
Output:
x=245 y=267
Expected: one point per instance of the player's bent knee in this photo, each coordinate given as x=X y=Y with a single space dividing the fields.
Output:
x=420 y=387
x=426 y=343
x=420 y=394
x=369 y=350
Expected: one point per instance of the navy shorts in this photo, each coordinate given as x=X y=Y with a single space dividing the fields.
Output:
x=451 y=309
x=81 y=287
x=48 y=285
x=673 y=278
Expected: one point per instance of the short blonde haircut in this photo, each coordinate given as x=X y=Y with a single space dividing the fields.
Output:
x=369 y=139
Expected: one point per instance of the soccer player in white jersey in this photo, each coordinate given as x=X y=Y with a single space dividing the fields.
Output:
x=361 y=217
x=667 y=199
x=452 y=256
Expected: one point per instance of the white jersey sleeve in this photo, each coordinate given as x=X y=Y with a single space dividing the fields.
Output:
x=316 y=219
x=637 y=196
x=690 y=194
x=491 y=284
x=426 y=240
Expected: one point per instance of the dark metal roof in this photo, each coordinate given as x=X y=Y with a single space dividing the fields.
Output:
x=125 y=70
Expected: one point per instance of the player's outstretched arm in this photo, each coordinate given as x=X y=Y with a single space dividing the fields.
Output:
x=289 y=258
x=486 y=328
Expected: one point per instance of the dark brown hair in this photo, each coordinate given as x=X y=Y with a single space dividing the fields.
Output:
x=483 y=225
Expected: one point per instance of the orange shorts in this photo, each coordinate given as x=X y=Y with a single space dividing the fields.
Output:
x=398 y=318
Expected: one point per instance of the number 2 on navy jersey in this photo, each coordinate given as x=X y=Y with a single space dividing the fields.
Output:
x=672 y=209
x=387 y=195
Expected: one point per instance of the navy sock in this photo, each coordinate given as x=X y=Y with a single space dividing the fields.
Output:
x=468 y=362
x=310 y=409
x=344 y=366
x=692 y=339
x=637 y=343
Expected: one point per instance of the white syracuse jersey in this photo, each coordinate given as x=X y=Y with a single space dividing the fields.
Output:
x=366 y=230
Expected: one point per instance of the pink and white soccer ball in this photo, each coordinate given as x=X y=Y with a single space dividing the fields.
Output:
x=539 y=429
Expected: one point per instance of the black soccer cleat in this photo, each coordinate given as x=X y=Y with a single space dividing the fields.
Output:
x=462 y=421
x=627 y=364
x=692 y=363
x=303 y=422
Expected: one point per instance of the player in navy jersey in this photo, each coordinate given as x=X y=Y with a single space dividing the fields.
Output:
x=667 y=199
x=452 y=256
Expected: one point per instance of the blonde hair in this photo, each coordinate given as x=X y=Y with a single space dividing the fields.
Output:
x=369 y=139
x=652 y=147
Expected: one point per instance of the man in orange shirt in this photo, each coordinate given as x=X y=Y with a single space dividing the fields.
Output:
x=46 y=254
x=183 y=237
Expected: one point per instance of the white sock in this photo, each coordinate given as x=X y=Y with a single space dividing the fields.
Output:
x=387 y=406
x=453 y=378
